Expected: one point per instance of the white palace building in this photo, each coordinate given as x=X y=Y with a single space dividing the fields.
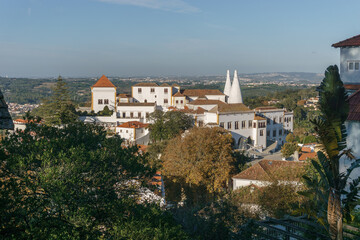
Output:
x=209 y=107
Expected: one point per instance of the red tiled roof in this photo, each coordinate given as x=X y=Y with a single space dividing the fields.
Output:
x=133 y=124
x=145 y=84
x=124 y=95
x=350 y=42
x=259 y=118
x=199 y=110
x=103 y=82
x=201 y=92
x=307 y=155
x=178 y=94
x=267 y=170
x=354 y=107
x=352 y=86
x=205 y=102
x=143 y=148
x=22 y=121
x=230 y=108
x=306 y=149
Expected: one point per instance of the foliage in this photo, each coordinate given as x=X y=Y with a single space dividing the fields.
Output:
x=168 y=125
x=57 y=109
x=279 y=199
x=331 y=132
x=73 y=183
x=202 y=159
x=218 y=219
x=242 y=161
x=289 y=148
x=106 y=112
x=290 y=138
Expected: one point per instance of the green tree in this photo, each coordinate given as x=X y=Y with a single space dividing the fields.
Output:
x=75 y=183
x=168 y=125
x=58 y=108
x=331 y=133
x=289 y=148
x=202 y=160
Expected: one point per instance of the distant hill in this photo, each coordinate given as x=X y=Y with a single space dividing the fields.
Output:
x=28 y=90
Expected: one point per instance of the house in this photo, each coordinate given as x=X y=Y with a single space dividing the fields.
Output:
x=349 y=59
x=208 y=107
x=134 y=132
x=266 y=171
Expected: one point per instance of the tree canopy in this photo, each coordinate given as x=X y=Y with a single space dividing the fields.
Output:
x=201 y=158
x=167 y=125
x=58 y=108
x=75 y=183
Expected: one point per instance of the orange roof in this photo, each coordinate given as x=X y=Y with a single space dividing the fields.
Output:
x=230 y=108
x=306 y=149
x=350 y=42
x=206 y=102
x=19 y=120
x=307 y=155
x=301 y=102
x=178 y=94
x=146 y=84
x=199 y=110
x=133 y=124
x=259 y=118
x=266 y=170
x=124 y=95
x=201 y=92
x=104 y=82
x=143 y=148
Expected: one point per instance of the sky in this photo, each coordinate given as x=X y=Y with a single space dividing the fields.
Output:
x=84 y=38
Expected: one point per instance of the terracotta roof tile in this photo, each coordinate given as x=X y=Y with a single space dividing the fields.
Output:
x=146 y=84
x=354 y=107
x=350 y=42
x=306 y=149
x=259 y=118
x=104 y=82
x=124 y=95
x=352 y=86
x=201 y=92
x=307 y=155
x=205 y=102
x=178 y=94
x=267 y=170
x=199 y=110
x=133 y=124
x=230 y=108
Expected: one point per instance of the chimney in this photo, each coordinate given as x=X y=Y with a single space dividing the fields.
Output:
x=235 y=92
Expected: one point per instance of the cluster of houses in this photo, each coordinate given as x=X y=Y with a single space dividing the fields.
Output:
x=260 y=127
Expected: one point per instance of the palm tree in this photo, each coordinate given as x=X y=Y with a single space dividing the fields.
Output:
x=331 y=132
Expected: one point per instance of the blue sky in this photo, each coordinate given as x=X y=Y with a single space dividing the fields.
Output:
x=45 y=38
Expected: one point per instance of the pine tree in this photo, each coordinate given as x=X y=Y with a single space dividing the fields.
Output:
x=58 y=108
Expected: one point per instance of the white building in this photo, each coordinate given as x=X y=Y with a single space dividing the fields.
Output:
x=103 y=93
x=349 y=59
x=266 y=171
x=134 y=132
x=257 y=127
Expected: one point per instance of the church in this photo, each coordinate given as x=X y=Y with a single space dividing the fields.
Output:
x=260 y=127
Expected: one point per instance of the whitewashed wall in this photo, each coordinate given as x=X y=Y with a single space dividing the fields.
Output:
x=103 y=93
x=349 y=54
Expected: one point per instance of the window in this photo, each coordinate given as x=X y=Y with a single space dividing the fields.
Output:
x=250 y=124
x=106 y=101
x=275 y=120
x=280 y=119
x=261 y=132
x=127 y=131
x=145 y=101
x=131 y=114
x=139 y=114
x=354 y=65
x=267 y=133
x=181 y=101
x=243 y=123
x=274 y=133
x=222 y=124
x=177 y=101
x=152 y=90
x=147 y=115
x=139 y=90
x=262 y=125
x=254 y=125
x=120 y=130
x=229 y=125
x=236 y=124
x=124 y=114
x=166 y=101
x=166 y=90
x=280 y=132
x=100 y=101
